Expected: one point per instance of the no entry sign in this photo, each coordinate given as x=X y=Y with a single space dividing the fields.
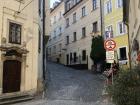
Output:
x=109 y=45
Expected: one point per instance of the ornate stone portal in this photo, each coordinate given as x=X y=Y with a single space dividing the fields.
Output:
x=13 y=53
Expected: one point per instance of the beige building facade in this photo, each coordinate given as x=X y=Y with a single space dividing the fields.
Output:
x=82 y=22
x=44 y=33
x=56 y=41
x=18 y=46
x=132 y=19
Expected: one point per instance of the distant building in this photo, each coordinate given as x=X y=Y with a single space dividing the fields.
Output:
x=132 y=19
x=115 y=29
x=18 y=46
x=56 y=41
x=82 y=21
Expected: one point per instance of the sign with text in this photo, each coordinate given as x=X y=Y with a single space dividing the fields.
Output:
x=110 y=56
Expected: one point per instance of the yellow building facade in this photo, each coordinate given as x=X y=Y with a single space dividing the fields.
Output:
x=115 y=29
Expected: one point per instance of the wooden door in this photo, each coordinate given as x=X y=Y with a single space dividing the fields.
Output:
x=67 y=59
x=11 y=76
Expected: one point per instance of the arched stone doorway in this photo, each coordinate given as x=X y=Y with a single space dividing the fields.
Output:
x=11 y=76
x=13 y=66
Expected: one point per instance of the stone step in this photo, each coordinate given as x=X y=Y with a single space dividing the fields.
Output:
x=14 y=98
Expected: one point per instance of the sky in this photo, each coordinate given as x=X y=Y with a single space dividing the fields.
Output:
x=52 y=1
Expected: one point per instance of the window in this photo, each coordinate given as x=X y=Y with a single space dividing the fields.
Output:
x=14 y=33
x=54 y=19
x=123 y=54
x=39 y=7
x=119 y=3
x=60 y=47
x=83 y=11
x=74 y=17
x=67 y=22
x=139 y=4
x=70 y=57
x=75 y=57
x=84 y=55
x=68 y=5
x=74 y=36
x=60 y=30
x=50 y=51
x=67 y=39
x=109 y=32
x=83 y=32
x=54 y=49
x=94 y=4
x=95 y=27
x=54 y=33
x=109 y=7
x=60 y=15
x=121 y=28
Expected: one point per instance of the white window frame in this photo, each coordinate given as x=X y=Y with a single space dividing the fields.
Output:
x=74 y=17
x=112 y=29
x=118 y=5
x=110 y=7
x=118 y=50
x=118 y=28
x=83 y=12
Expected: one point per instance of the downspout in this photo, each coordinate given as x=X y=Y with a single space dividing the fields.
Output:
x=43 y=41
x=129 y=46
x=101 y=14
x=126 y=21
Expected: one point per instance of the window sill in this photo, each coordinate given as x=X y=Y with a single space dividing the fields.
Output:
x=94 y=9
x=74 y=41
x=60 y=34
x=67 y=26
x=108 y=13
x=83 y=16
x=119 y=35
x=21 y=1
x=12 y=43
x=74 y=22
x=54 y=37
x=83 y=37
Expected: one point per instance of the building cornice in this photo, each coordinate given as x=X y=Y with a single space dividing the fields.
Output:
x=74 y=6
x=53 y=9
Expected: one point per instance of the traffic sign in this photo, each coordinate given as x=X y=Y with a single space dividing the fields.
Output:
x=110 y=56
x=110 y=45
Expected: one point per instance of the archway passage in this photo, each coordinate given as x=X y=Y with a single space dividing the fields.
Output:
x=11 y=76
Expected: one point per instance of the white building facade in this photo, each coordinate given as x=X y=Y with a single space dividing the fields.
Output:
x=56 y=41
x=82 y=22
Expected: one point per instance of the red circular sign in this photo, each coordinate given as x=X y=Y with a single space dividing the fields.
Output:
x=110 y=44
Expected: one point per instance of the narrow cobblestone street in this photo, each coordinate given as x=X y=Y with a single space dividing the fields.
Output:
x=67 y=86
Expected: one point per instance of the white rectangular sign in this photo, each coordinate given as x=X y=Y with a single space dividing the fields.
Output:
x=110 y=56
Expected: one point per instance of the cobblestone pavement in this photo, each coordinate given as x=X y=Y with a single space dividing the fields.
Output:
x=67 y=86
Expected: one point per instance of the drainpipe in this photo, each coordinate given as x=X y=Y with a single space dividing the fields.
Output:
x=43 y=41
x=101 y=14
x=129 y=46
